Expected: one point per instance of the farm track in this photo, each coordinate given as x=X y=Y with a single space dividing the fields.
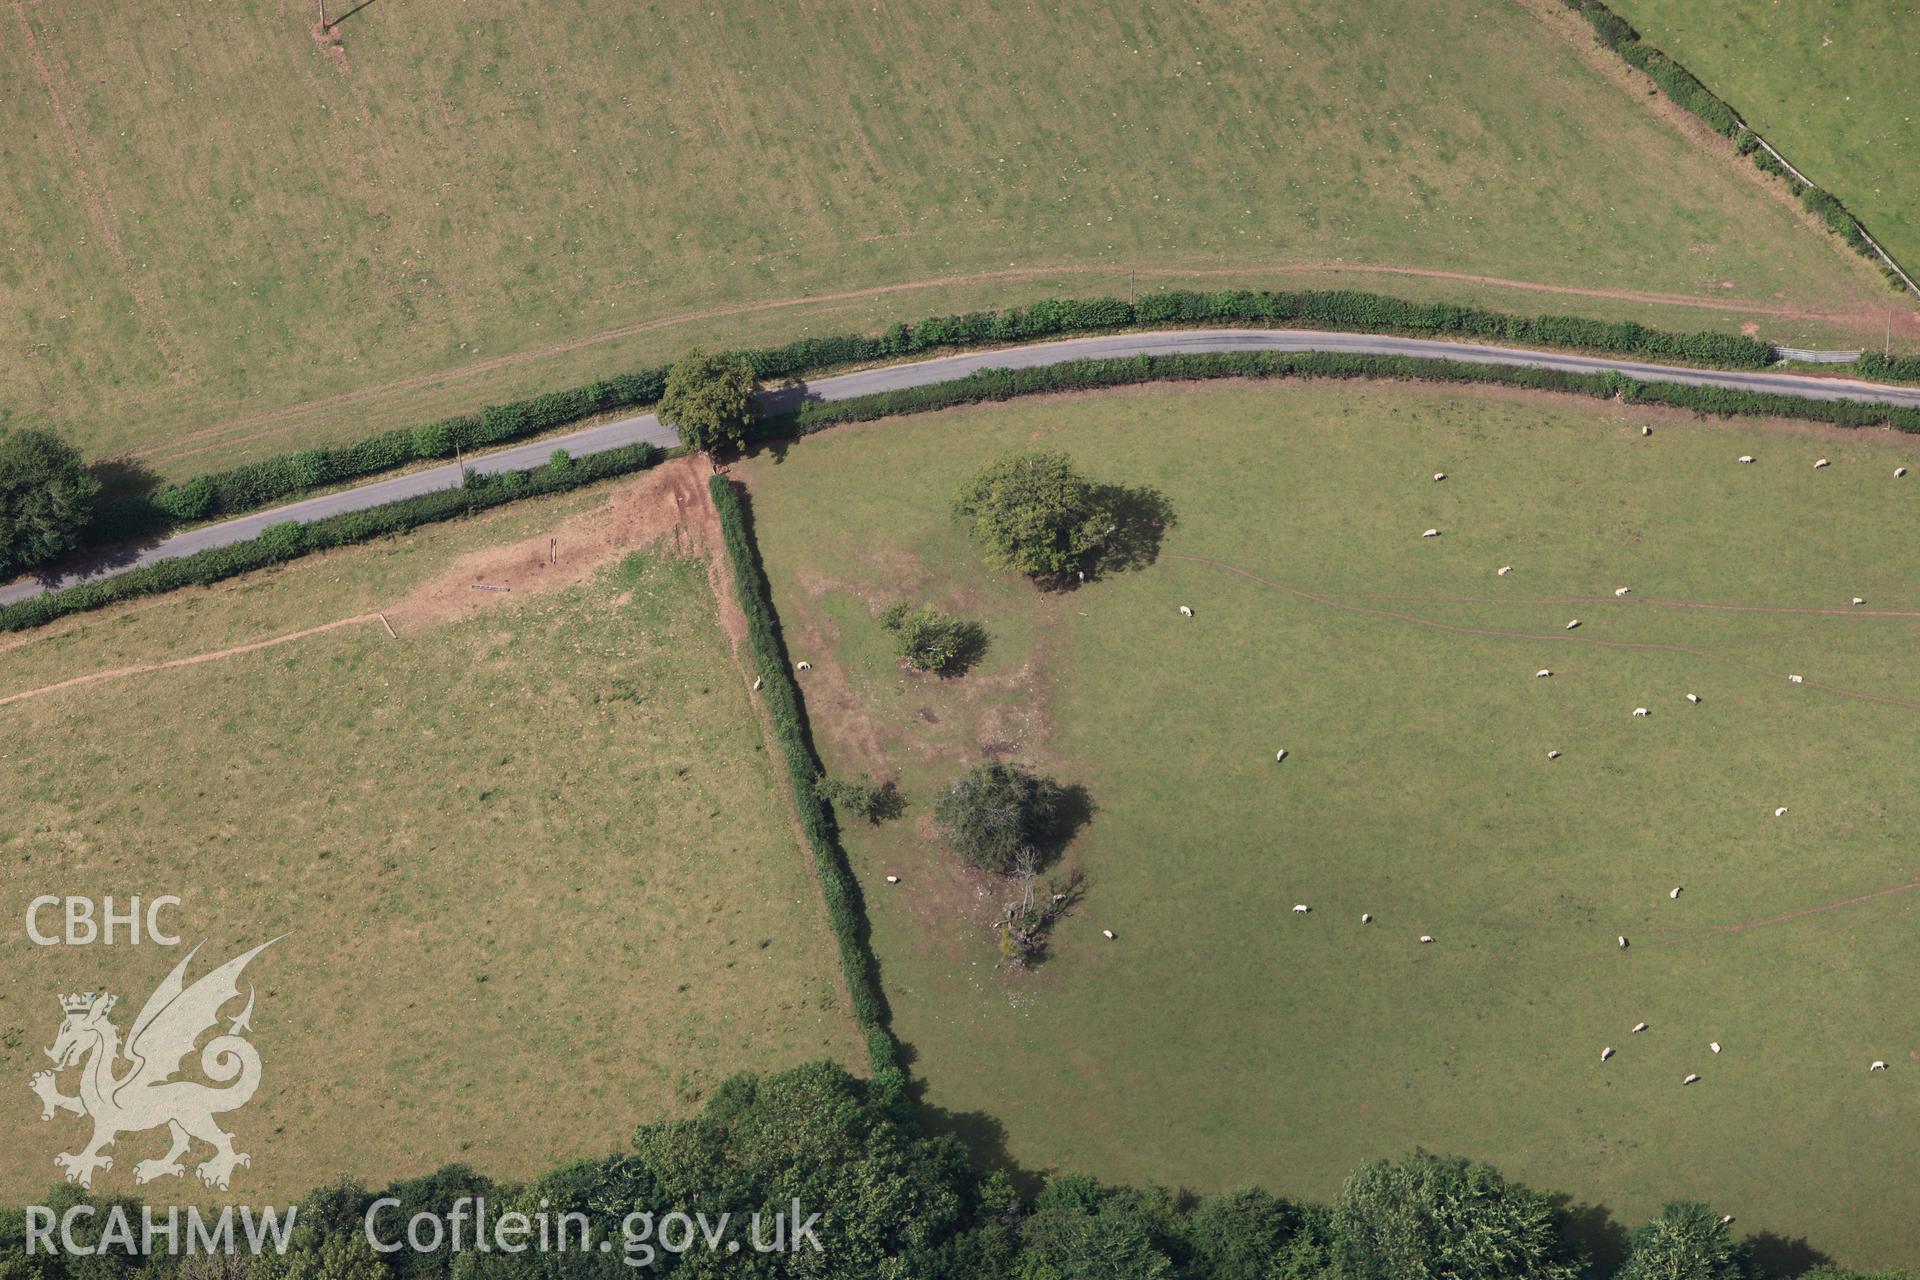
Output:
x=647 y=427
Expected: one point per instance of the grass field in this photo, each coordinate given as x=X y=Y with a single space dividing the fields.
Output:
x=226 y=239
x=1222 y=1039
x=1829 y=82
x=529 y=857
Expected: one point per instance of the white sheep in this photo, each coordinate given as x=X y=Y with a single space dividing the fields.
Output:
x=1542 y=674
x=893 y=879
x=1746 y=457
x=1431 y=533
x=1107 y=934
x=1426 y=938
x=1571 y=625
x=1693 y=697
x=1859 y=600
x=803 y=666
x=1781 y=812
x=1553 y=755
x=1675 y=894
x=1503 y=570
x=1638 y=1027
x=1796 y=680
x=1692 y=1078
x=1620 y=591
x=1366 y=917
x=1877 y=1065
x=1714 y=1045
x=1646 y=431
x=1726 y=1219
x=1606 y=1053
x=756 y=684
x=1439 y=475
x=1185 y=612
x=1822 y=463
x=1641 y=711
x=1301 y=908
x=1623 y=942
x=1280 y=755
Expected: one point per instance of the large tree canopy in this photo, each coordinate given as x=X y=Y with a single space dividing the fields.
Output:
x=709 y=399
x=1434 y=1218
x=46 y=497
x=1036 y=515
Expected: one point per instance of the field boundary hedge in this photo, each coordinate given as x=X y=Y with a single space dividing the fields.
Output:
x=846 y=912
x=291 y=539
x=256 y=485
x=1684 y=89
x=1084 y=375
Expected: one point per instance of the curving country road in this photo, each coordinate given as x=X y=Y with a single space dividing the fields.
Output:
x=646 y=427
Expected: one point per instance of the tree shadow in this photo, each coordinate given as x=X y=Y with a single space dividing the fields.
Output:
x=1783 y=1258
x=971 y=645
x=984 y=1136
x=1072 y=811
x=1591 y=1230
x=1142 y=515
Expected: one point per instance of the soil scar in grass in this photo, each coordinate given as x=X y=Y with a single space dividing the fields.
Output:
x=115 y=673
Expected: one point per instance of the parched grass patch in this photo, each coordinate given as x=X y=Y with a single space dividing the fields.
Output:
x=536 y=875
x=1220 y=1039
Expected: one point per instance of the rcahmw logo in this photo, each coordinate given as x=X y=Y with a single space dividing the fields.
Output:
x=180 y=1231
x=131 y=1087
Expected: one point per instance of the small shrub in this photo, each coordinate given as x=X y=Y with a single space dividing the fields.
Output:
x=930 y=640
x=875 y=802
x=995 y=813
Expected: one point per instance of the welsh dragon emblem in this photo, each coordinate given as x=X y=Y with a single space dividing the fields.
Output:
x=132 y=1088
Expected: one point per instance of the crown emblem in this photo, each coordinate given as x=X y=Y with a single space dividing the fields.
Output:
x=78 y=1002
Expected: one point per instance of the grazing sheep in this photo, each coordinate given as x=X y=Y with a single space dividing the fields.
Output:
x=1746 y=457
x=1542 y=674
x=1185 y=612
x=1693 y=697
x=1620 y=591
x=1107 y=934
x=1726 y=1219
x=803 y=666
x=1822 y=463
x=1877 y=1065
x=1301 y=908
x=1366 y=917
x=1641 y=711
x=1795 y=680
x=893 y=879
x=756 y=683
x=1646 y=431
x=1692 y=1078
x=1571 y=625
x=1280 y=755
x=1606 y=1053
x=1714 y=1045
x=1898 y=472
x=1503 y=571
x=1553 y=755
x=1623 y=942
x=1431 y=533
x=1439 y=475
x=1675 y=895
x=1781 y=812
x=1638 y=1027
x=1426 y=938
x=1858 y=600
